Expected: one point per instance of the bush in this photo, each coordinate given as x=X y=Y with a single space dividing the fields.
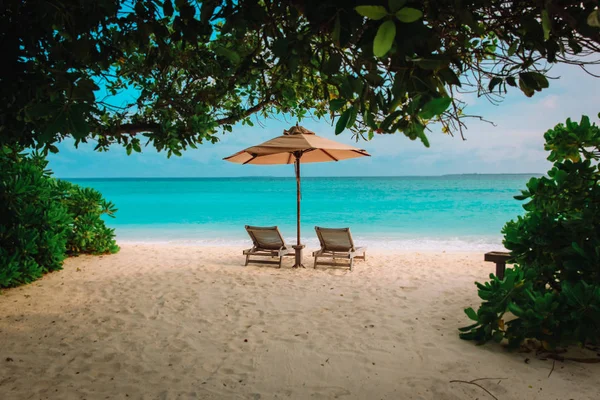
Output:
x=88 y=233
x=553 y=291
x=42 y=219
x=33 y=220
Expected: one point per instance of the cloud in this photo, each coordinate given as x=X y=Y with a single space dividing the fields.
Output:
x=514 y=144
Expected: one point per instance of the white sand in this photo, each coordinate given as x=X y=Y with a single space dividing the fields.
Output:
x=160 y=322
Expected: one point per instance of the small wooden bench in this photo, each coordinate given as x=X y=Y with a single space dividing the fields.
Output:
x=500 y=258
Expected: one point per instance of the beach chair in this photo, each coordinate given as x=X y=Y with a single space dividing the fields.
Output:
x=267 y=242
x=337 y=244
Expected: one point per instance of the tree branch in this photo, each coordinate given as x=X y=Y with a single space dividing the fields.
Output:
x=232 y=119
x=134 y=128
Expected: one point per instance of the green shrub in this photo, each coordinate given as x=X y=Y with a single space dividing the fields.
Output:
x=553 y=291
x=33 y=221
x=88 y=233
x=42 y=220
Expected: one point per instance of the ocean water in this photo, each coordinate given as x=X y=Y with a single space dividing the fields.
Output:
x=457 y=212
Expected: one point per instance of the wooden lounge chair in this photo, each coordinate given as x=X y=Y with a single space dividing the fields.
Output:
x=267 y=242
x=337 y=244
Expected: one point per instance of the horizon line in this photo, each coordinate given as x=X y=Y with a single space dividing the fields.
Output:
x=292 y=177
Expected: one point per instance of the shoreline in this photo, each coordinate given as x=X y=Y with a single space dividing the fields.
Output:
x=375 y=241
x=310 y=247
x=169 y=321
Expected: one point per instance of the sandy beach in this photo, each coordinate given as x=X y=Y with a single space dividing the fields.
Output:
x=165 y=322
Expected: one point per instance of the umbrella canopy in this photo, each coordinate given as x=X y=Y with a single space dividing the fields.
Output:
x=297 y=145
x=283 y=149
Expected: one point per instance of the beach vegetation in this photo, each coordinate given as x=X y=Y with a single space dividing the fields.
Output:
x=552 y=293
x=43 y=220
x=173 y=74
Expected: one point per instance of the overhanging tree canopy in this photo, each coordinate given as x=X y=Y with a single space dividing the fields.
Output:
x=175 y=73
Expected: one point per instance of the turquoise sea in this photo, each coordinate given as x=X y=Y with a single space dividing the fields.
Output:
x=455 y=212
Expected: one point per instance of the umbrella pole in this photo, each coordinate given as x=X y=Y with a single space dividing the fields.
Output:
x=298 y=247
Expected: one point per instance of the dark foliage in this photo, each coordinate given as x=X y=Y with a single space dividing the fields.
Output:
x=553 y=292
x=42 y=219
x=175 y=73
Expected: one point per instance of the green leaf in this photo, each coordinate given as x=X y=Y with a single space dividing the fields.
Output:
x=513 y=48
x=168 y=8
x=560 y=176
x=546 y=24
x=353 y=115
x=79 y=126
x=594 y=19
x=471 y=314
x=280 y=48
x=585 y=122
x=345 y=87
x=430 y=63
x=498 y=336
x=84 y=90
x=578 y=249
x=333 y=64
x=336 y=104
x=449 y=76
x=369 y=119
x=515 y=309
x=136 y=146
x=387 y=121
x=525 y=88
x=39 y=110
x=374 y=78
x=357 y=85
x=495 y=81
x=207 y=10
x=54 y=125
x=424 y=138
x=335 y=35
x=395 y=5
x=384 y=38
x=534 y=80
x=230 y=54
x=529 y=82
x=435 y=107
x=372 y=12
x=343 y=121
x=408 y=15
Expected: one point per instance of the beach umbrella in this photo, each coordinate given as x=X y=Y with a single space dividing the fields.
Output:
x=296 y=146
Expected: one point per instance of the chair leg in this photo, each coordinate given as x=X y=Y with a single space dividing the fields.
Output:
x=351 y=263
x=316 y=258
x=280 y=261
x=247 y=260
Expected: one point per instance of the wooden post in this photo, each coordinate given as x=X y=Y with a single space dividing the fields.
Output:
x=500 y=258
x=299 y=246
x=500 y=268
x=298 y=198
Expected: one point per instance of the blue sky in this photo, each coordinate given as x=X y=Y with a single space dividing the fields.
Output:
x=513 y=145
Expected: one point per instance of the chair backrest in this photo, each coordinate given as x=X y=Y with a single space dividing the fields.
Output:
x=338 y=239
x=266 y=237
